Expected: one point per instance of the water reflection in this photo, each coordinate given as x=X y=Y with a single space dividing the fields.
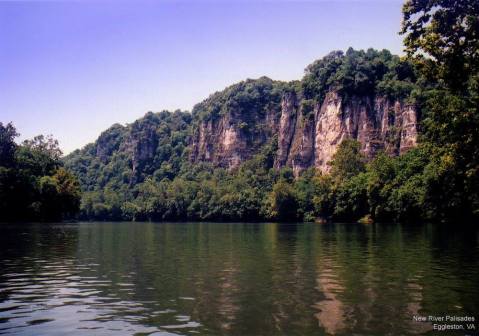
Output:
x=231 y=279
x=331 y=315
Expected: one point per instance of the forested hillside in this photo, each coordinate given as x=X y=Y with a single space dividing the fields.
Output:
x=227 y=160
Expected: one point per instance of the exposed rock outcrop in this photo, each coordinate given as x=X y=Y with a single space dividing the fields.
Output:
x=376 y=122
x=308 y=138
x=233 y=138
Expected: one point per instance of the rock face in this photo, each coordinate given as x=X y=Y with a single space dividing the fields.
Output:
x=233 y=138
x=108 y=142
x=140 y=144
x=307 y=135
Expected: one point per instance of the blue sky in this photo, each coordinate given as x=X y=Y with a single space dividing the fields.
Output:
x=73 y=68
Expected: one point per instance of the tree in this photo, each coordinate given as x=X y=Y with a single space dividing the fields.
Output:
x=8 y=133
x=351 y=199
x=33 y=183
x=46 y=145
x=323 y=199
x=68 y=193
x=282 y=201
x=348 y=160
x=443 y=36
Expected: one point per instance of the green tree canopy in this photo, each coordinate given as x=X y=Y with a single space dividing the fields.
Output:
x=348 y=161
x=443 y=36
x=8 y=134
x=33 y=183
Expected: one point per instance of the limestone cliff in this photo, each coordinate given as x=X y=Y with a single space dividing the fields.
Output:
x=231 y=126
x=308 y=135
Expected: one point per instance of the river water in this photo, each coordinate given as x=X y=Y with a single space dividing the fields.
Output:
x=235 y=278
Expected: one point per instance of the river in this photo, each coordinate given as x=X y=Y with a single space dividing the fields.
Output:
x=235 y=278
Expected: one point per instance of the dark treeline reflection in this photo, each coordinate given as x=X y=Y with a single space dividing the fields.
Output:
x=234 y=279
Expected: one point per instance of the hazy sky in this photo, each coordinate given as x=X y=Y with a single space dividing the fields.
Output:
x=73 y=68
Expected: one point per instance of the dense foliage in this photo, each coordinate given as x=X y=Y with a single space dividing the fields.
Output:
x=250 y=95
x=359 y=72
x=442 y=38
x=33 y=183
